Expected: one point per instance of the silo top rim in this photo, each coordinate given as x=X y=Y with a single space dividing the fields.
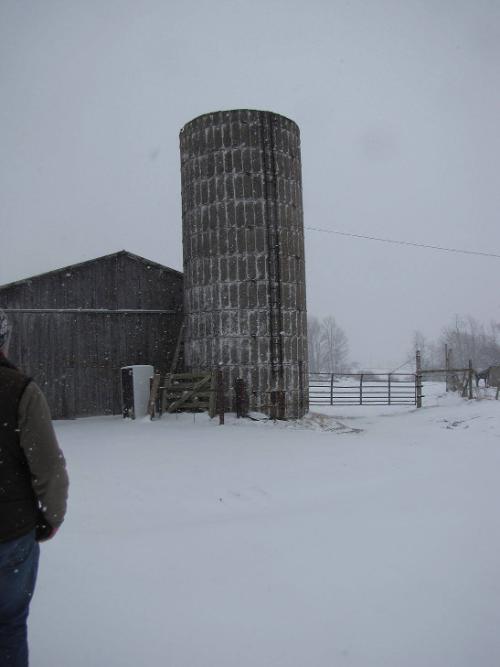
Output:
x=232 y=111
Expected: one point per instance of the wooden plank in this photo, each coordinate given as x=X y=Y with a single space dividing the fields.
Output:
x=202 y=405
x=188 y=376
x=175 y=358
x=153 y=395
x=163 y=394
x=188 y=394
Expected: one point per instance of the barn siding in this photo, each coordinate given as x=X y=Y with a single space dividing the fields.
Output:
x=76 y=357
x=120 y=281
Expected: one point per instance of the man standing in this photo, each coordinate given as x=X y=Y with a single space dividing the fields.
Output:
x=33 y=493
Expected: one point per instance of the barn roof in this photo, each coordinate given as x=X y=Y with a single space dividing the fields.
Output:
x=120 y=253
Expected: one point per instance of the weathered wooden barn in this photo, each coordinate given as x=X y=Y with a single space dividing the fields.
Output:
x=75 y=328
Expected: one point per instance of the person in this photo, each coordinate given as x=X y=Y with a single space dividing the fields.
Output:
x=33 y=494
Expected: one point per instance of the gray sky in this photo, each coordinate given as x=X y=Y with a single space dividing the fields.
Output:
x=398 y=104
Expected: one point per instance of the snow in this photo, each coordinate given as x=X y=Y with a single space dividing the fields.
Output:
x=365 y=536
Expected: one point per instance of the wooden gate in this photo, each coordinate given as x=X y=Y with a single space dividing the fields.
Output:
x=363 y=389
x=179 y=392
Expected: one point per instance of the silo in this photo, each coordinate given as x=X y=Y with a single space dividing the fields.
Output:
x=243 y=241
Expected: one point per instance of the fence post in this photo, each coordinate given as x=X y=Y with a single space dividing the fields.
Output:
x=154 y=385
x=220 y=396
x=471 y=372
x=361 y=389
x=273 y=410
x=331 y=390
x=212 y=403
x=389 y=387
x=446 y=363
x=281 y=400
x=301 y=387
x=241 y=398
x=418 y=378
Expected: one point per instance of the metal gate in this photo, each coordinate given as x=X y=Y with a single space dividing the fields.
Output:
x=363 y=389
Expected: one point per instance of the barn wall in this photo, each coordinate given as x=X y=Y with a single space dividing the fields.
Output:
x=117 y=281
x=76 y=355
x=76 y=358
x=154 y=286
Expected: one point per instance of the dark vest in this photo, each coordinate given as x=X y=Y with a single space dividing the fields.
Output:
x=18 y=505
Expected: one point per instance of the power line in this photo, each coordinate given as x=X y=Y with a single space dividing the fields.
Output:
x=407 y=243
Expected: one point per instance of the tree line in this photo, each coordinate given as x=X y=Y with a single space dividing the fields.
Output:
x=467 y=338
x=328 y=345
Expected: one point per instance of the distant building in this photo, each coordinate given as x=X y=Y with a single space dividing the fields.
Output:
x=75 y=327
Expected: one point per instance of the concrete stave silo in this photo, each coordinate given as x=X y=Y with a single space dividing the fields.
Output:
x=243 y=241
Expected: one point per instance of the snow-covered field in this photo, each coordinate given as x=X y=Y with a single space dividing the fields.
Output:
x=367 y=537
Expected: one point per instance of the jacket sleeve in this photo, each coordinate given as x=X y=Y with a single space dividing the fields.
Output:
x=45 y=459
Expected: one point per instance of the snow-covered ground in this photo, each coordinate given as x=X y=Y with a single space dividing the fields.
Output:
x=365 y=537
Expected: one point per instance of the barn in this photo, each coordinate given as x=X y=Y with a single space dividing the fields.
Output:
x=75 y=328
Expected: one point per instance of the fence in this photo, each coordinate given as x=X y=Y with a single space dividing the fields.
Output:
x=364 y=389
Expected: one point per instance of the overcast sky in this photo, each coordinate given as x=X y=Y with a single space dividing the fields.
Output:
x=398 y=103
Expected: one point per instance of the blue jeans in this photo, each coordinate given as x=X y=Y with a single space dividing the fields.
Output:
x=18 y=570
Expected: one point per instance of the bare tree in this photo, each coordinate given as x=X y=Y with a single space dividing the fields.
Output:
x=431 y=353
x=314 y=344
x=328 y=345
x=467 y=338
x=335 y=345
